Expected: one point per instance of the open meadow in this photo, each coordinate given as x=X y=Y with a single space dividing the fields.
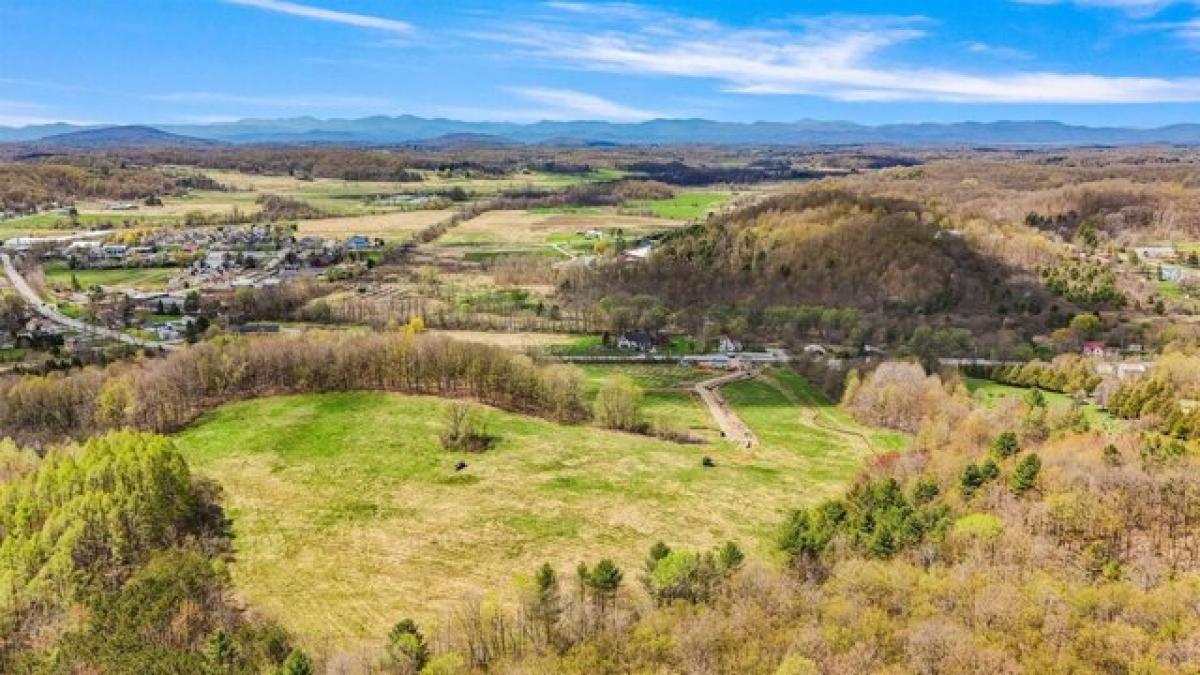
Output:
x=348 y=514
x=991 y=393
x=540 y=227
x=683 y=206
x=388 y=226
x=141 y=278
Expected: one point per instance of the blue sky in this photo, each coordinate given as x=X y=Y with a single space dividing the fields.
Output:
x=1128 y=62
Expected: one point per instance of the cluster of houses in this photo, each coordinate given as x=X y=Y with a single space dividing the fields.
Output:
x=648 y=343
x=225 y=257
x=730 y=353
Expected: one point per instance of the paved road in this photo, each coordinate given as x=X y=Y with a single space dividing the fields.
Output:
x=50 y=312
x=731 y=425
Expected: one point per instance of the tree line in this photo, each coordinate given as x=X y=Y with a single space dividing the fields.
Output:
x=165 y=394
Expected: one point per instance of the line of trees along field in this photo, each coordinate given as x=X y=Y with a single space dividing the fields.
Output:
x=165 y=394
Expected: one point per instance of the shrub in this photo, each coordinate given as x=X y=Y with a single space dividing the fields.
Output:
x=1006 y=444
x=466 y=429
x=1025 y=475
x=406 y=647
x=618 y=405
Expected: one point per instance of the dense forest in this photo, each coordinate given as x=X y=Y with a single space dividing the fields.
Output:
x=26 y=187
x=113 y=560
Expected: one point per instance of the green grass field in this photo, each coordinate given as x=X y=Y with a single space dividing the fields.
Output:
x=787 y=413
x=991 y=393
x=668 y=394
x=684 y=206
x=348 y=515
x=144 y=278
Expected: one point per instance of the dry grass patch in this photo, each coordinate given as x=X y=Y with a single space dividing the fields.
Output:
x=390 y=226
x=524 y=227
x=517 y=341
x=348 y=515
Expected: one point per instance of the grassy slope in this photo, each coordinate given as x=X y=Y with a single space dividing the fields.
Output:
x=787 y=414
x=990 y=393
x=348 y=515
x=683 y=206
x=668 y=394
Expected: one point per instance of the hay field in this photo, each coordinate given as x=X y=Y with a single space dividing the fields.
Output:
x=516 y=341
x=348 y=514
x=389 y=226
x=532 y=228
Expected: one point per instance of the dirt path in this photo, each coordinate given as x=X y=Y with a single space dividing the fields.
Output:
x=563 y=250
x=811 y=414
x=732 y=426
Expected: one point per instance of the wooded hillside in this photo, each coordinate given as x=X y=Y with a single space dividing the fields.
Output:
x=821 y=247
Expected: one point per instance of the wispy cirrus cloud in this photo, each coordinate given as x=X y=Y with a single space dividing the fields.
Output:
x=25 y=113
x=845 y=58
x=569 y=104
x=328 y=15
x=1132 y=7
x=998 y=51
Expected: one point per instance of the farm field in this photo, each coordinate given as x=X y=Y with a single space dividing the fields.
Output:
x=389 y=226
x=529 y=228
x=517 y=341
x=143 y=278
x=332 y=188
x=487 y=186
x=991 y=393
x=58 y=223
x=348 y=514
x=683 y=206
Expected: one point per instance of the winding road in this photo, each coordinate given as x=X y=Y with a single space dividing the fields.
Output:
x=812 y=415
x=732 y=426
x=51 y=313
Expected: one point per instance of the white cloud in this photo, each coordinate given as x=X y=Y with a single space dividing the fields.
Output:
x=567 y=104
x=332 y=16
x=1132 y=7
x=997 y=51
x=837 y=57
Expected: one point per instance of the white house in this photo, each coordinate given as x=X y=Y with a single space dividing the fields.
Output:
x=638 y=341
x=1154 y=252
x=637 y=254
x=727 y=345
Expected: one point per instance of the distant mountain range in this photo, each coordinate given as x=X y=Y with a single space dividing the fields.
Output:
x=407 y=129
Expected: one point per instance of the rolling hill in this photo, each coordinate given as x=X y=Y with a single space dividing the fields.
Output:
x=819 y=247
x=120 y=136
